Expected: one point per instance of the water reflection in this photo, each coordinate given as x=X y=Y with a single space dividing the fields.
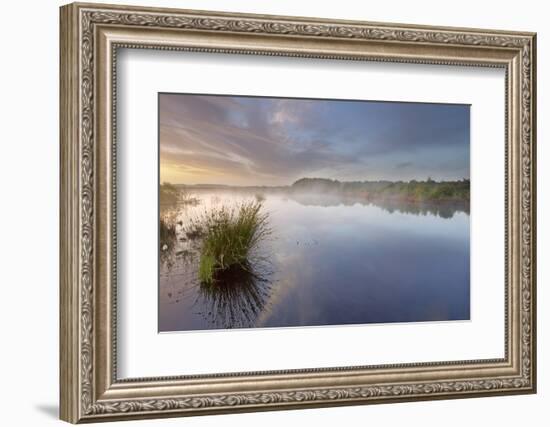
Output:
x=237 y=299
x=444 y=209
x=331 y=261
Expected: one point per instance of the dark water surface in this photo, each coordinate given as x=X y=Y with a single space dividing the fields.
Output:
x=329 y=261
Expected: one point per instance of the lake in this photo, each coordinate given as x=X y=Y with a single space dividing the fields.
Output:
x=328 y=261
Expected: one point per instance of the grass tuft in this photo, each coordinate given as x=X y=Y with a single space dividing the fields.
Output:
x=230 y=236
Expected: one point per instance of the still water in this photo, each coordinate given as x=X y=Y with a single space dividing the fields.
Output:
x=328 y=261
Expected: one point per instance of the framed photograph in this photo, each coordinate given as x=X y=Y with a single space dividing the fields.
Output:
x=265 y=212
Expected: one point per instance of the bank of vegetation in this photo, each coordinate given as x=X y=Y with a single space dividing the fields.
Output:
x=413 y=190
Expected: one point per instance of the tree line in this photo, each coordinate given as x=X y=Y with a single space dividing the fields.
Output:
x=411 y=190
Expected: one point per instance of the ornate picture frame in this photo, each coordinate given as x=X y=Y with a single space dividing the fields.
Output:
x=90 y=37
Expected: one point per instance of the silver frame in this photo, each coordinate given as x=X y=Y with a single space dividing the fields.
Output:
x=90 y=37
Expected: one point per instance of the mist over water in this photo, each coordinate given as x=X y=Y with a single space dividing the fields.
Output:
x=329 y=260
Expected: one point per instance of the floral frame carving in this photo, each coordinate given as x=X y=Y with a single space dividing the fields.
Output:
x=90 y=36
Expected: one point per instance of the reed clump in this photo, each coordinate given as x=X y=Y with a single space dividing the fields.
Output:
x=231 y=234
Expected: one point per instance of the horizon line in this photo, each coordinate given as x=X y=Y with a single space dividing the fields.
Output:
x=317 y=178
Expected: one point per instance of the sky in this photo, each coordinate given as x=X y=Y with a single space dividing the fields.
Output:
x=237 y=140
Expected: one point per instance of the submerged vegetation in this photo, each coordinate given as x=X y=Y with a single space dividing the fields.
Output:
x=230 y=235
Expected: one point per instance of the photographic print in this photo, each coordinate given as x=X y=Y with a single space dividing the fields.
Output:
x=291 y=212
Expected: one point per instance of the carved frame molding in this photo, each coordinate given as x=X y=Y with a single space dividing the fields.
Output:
x=90 y=37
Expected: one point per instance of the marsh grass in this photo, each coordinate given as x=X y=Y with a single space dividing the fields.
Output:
x=188 y=199
x=167 y=231
x=167 y=240
x=230 y=237
x=168 y=194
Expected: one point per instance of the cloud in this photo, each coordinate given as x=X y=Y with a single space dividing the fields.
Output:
x=271 y=141
x=403 y=165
